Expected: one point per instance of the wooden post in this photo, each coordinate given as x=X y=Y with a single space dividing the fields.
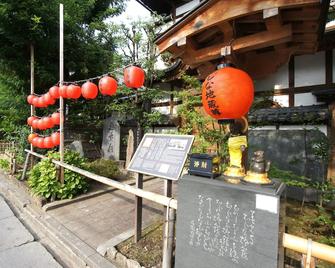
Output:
x=138 y=209
x=331 y=162
x=25 y=167
x=32 y=92
x=168 y=235
x=61 y=80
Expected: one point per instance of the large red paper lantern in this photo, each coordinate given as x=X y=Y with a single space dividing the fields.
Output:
x=31 y=137
x=107 y=86
x=54 y=92
x=48 y=122
x=48 y=143
x=227 y=93
x=89 y=90
x=134 y=76
x=30 y=99
x=63 y=91
x=30 y=120
x=55 y=118
x=55 y=137
x=73 y=92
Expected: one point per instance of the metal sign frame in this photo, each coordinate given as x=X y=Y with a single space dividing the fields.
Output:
x=160 y=135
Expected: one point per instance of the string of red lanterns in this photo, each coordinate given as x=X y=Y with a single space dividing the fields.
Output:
x=134 y=77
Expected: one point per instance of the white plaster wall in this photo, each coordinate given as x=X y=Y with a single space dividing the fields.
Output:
x=310 y=69
x=283 y=100
x=305 y=99
x=278 y=80
x=322 y=128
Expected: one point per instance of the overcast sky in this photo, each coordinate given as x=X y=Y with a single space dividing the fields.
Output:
x=134 y=11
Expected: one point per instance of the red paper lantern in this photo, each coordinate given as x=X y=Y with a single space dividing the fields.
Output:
x=35 y=101
x=31 y=137
x=48 y=122
x=55 y=118
x=54 y=92
x=30 y=120
x=34 y=141
x=227 y=93
x=89 y=90
x=107 y=86
x=55 y=137
x=134 y=76
x=41 y=103
x=40 y=124
x=40 y=142
x=34 y=124
x=63 y=91
x=30 y=99
x=48 y=143
x=73 y=92
x=48 y=100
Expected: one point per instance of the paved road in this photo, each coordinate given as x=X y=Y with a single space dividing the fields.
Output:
x=17 y=246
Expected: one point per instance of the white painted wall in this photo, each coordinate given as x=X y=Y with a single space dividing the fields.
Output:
x=305 y=99
x=310 y=69
x=278 y=80
x=322 y=128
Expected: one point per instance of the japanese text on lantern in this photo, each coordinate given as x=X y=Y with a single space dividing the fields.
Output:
x=217 y=229
x=210 y=96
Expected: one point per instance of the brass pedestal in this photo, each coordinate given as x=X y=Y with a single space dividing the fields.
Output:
x=234 y=174
x=257 y=178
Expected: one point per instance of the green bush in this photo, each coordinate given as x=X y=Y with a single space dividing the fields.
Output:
x=44 y=181
x=4 y=164
x=104 y=167
x=289 y=178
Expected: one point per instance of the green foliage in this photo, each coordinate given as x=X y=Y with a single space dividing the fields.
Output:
x=4 y=164
x=208 y=133
x=104 y=167
x=326 y=222
x=43 y=179
x=289 y=178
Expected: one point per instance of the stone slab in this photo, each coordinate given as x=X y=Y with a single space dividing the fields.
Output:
x=28 y=255
x=5 y=211
x=13 y=234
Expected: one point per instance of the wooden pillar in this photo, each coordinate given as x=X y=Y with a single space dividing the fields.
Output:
x=291 y=82
x=331 y=162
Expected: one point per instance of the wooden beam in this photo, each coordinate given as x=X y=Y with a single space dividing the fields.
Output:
x=243 y=44
x=217 y=12
x=304 y=15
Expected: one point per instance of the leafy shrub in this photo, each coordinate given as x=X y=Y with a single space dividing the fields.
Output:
x=4 y=164
x=44 y=181
x=104 y=167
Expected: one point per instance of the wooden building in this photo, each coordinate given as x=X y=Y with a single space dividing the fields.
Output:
x=284 y=45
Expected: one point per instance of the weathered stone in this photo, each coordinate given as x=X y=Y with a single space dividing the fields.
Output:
x=77 y=146
x=111 y=253
x=130 y=146
x=133 y=264
x=28 y=255
x=111 y=139
x=13 y=234
x=121 y=260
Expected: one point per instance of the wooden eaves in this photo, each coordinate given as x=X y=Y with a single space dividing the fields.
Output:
x=258 y=36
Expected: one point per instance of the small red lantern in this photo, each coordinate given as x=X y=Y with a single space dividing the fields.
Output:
x=73 y=92
x=41 y=103
x=54 y=92
x=227 y=93
x=31 y=137
x=48 y=100
x=30 y=120
x=48 y=143
x=40 y=124
x=34 y=124
x=34 y=141
x=30 y=99
x=55 y=118
x=134 y=76
x=35 y=101
x=107 y=86
x=55 y=137
x=63 y=91
x=89 y=90
x=48 y=122
x=40 y=142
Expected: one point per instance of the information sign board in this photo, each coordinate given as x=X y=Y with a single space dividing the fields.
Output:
x=161 y=155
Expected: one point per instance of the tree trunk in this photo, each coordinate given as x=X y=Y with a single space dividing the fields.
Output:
x=331 y=162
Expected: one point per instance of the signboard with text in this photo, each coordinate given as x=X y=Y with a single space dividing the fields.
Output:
x=161 y=155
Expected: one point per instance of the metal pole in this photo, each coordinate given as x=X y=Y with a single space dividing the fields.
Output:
x=138 y=209
x=61 y=79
